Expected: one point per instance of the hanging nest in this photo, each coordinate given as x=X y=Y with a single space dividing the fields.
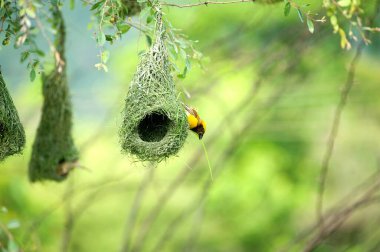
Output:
x=12 y=135
x=54 y=147
x=132 y=6
x=155 y=125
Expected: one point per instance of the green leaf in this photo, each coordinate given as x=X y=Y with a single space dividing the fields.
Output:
x=334 y=23
x=32 y=75
x=188 y=63
x=35 y=63
x=183 y=74
x=149 y=19
x=97 y=5
x=109 y=38
x=101 y=38
x=183 y=54
x=344 y=43
x=175 y=67
x=310 y=25
x=148 y=40
x=300 y=15
x=31 y=12
x=39 y=52
x=123 y=28
x=172 y=53
x=24 y=56
x=6 y=41
x=287 y=8
x=72 y=4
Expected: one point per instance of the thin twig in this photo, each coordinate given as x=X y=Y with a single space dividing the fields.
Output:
x=133 y=213
x=337 y=115
x=336 y=220
x=344 y=201
x=6 y=231
x=57 y=55
x=205 y=3
x=69 y=218
x=153 y=214
x=334 y=132
x=194 y=232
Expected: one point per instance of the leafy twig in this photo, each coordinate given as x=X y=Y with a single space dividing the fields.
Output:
x=335 y=124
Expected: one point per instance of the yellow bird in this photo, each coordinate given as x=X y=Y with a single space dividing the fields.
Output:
x=196 y=124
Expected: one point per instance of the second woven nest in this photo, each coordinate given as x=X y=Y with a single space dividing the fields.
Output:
x=54 y=145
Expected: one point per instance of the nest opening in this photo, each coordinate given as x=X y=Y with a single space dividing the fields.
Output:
x=154 y=127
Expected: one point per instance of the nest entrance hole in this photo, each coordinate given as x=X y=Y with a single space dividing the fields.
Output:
x=154 y=127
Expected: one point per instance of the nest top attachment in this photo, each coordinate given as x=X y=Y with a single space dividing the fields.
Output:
x=155 y=125
x=12 y=135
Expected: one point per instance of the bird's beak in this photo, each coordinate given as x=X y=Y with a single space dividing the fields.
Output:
x=200 y=136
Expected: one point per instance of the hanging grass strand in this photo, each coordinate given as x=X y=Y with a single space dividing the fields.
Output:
x=12 y=135
x=54 y=153
x=155 y=125
x=208 y=160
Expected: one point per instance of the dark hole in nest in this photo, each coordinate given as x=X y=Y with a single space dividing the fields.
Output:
x=153 y=127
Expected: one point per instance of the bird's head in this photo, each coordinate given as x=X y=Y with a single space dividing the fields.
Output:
x=201 y=129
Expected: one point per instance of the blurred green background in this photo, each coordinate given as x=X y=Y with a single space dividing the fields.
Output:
x=268 y=92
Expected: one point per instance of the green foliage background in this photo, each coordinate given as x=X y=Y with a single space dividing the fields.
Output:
x=268 y=94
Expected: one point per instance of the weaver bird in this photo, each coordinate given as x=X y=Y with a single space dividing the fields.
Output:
x=196 y=124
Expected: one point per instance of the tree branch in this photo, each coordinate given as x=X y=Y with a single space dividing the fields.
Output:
x=334 y=132
x=133 y=213
x=335 y=126
x=69 y=217
x=335 y=220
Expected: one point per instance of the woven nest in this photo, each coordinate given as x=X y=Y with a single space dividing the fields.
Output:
x=12 y=135
x=155 y=125
x=54 y=145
